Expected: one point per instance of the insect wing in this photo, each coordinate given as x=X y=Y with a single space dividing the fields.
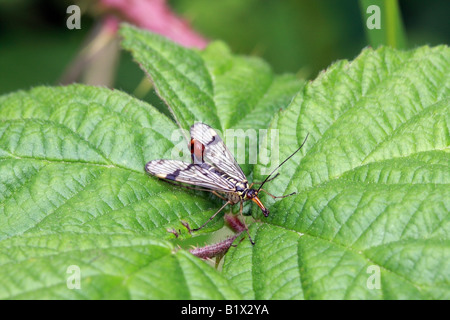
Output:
x=215 y=151
x=203 y=175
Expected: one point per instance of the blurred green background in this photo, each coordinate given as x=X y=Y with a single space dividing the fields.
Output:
x=301 y=37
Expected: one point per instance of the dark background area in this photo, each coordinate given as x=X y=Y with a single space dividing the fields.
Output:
x=301 y=37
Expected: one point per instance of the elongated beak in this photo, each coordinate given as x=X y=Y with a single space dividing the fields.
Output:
x=259 y=203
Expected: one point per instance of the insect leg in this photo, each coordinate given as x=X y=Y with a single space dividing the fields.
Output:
x=279 y=197
x=243 y=221
x=266 y=181
x=173 y=231
x=212 y=217
x=221 y=197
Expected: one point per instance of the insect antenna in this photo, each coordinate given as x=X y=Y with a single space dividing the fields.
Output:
x=283 y=163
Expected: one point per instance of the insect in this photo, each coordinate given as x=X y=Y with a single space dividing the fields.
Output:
x=215 y=170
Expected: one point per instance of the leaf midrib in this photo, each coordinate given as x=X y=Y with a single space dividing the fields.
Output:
x=174 y=92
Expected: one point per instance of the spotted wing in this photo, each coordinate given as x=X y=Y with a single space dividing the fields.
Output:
x=202 y=175
x=215 y=151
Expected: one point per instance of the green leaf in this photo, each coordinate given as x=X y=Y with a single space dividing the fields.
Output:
x=373 y=184
x=72 y=159
x=74 y=191
x=212 y=86
x=372 y=180
x=38 y=266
